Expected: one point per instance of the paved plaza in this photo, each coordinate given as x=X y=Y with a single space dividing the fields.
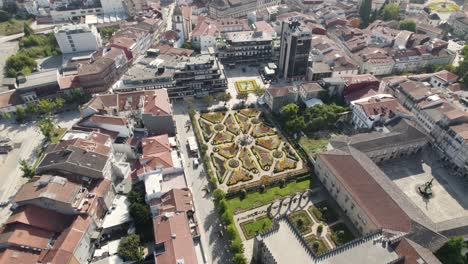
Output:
x=450 y=200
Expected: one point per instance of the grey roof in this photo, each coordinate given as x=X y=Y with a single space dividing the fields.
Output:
x=39 y=79
x=401 y=133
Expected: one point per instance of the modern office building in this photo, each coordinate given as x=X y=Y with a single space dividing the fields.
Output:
x=77 y=38
x=296 y=41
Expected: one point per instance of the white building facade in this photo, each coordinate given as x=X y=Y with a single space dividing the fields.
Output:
x=77 y=38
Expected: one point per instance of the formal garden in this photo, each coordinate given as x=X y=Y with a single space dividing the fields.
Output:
x=443 y=6
x=246 y=86
x=242 y=147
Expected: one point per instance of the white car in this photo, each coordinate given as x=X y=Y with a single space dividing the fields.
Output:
x=195 y=163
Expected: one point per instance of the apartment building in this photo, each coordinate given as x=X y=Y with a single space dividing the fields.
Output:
x=182 y=76
x=277 y=97
x=77 y=38
x=375 y=110
x=207 y=31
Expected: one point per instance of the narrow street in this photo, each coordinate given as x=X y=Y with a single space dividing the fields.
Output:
x=216 y=247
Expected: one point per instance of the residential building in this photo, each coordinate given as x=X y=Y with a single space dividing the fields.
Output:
x=97 y=75
x=207 y=30
x=359 y=82
x=116 y=8
x=277 y=97
x=459 y=24
x=375 y=110
x=77 y=38
x=151 y=108
x=310 y=90
x=173 y=239
x=238 y=8
x=245 y=47
x=122 y=125
x=443 y=78
x=296 y=40
x=182 y=76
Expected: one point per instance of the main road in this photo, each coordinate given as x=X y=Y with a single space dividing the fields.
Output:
x=215 y=247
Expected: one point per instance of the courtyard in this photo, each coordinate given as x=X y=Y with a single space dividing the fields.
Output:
x=244 y=148
x=449 y=200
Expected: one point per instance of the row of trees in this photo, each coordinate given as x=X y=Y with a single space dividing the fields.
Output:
x=312 y=119
x=141 y=215
x=390 y=11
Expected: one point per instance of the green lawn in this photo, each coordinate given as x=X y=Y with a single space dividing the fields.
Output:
x=313 y=146
x=260 y=224
x=57 y=135
x=322 y=248
x=12 y=26
x=443 y=7
x=301 y=221
x=340 y=239
x=269 y=195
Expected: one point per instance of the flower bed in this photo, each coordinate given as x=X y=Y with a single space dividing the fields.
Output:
x=218 y=127
x=284 y=164
x=249 y=112
x=264 y=158
x=243 y=122
x=215 y=117
x=231 y=125
x=239 y=175
x=270 y=143
x=290 y=152
x=220 y=166
x=206 y=129
x=222 y=138
x=245 y=86
x=322 y=247
x=246 y=159
x=261 y=130
x=277 y=154
x=228 y=151
x=302 y=221
x=443 y=7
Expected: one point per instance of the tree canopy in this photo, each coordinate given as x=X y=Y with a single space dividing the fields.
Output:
x=130 y=250
x=391 y=11
x=28 y=170
x=365 y=12
x=19 y=64
x=451 y=253
x=407 y=24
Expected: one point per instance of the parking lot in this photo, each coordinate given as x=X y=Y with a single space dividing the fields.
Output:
x=26 y=140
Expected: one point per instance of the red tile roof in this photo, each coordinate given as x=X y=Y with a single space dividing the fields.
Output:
x=382 y=210
x=175 y=200
x=446 y=76
x=110 y=120
x=18 y=256
x=25 y=235
x=35 y=216
x=156 y=153
x=175 y=233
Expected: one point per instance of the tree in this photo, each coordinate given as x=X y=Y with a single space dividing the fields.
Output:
x=407 y=24
x=239 y=258
x=45 y=106
x=391 y=12
x=135 y=197
x=222 y=206
x=242 y=194
x=218 y=195
x=130 y=250
x=320 y=229
x=224 y=97
x=295 y=125
x=140 y=213
x=227 y=217
x=316 y=245
x=365 y=12
x=262 y=188
x=259 y=91
x=7 y=115
x=19 y=64
x=237 y=246
x=28 y=31
x=59 y=102
x=28 y=170
x=231 y=232
x=4 y=16
x=242 y=96
x=186 y=45
x=31 y=108
x=47 y=127
x=20 y=114
x=462 y=70
x=451 y=252
x=208 y=99
x=289 y=111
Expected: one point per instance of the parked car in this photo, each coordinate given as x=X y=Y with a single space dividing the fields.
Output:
x=195 y=163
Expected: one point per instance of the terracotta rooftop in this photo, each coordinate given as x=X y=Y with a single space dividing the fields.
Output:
x=175 y=200
x=446 y=76
x=156 y=153
x=461 y=130
x=25 y=235
x=36 y=216
x=99 y=65
x=385 y=106
x=48 y=187
x=9 y=98
x=110 y=120
x=18 y=256
x=174 y=233
x=382 y=210
x=280 y=91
